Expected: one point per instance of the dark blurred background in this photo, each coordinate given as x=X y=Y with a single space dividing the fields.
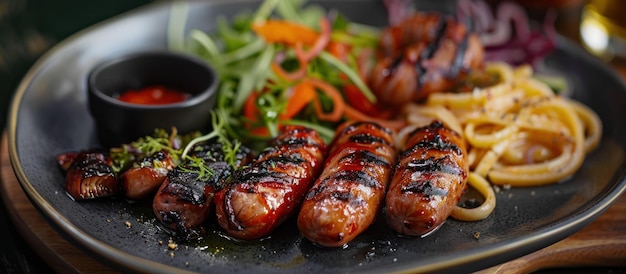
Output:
x=28 y=28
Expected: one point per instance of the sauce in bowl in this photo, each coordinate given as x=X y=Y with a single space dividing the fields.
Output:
x=153 y=95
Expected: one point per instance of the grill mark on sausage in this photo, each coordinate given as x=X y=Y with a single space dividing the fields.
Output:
x=357 y=176
x=432 y=164
x=436 y=143
x=457 y=63
x=258 y=175
x=185 y=186
x=430 y=50
x=393 y=66
x=293 y=159
x=294 y=142
x=93 y=164
x=424 y=187
x=365 y=138
x=366 y=157
x=440 y=32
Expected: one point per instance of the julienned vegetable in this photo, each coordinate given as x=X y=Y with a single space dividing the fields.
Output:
x=286 y=64
x=290 y=64
x=506 y=32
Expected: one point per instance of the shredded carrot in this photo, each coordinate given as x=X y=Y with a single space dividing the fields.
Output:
x=339 y=50
x=251 y=113
x=299 y=37
x=338 y=104
x=320 y=43
x=355 y=115
x=259 y=131
x=290 y=76
x=303 y=94
x=250 y=110
x=282 y=31
x=355 y=98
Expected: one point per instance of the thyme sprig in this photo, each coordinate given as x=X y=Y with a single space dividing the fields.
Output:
x=197 y=165
x=219 y=121
x=127 y=154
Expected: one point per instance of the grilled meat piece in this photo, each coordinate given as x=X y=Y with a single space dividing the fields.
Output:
x=346 y=198
x=184 y=200
x=146 y=175
x=88 y=175
x=428 y=181
x=423 y=54
x=263 y=195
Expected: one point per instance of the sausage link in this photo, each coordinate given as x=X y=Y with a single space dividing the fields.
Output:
x=184 y=200
x=428 y=181
x=88 y=175
x=423 y=54
x=261 y=197
x=346 y=198
x=146 y=176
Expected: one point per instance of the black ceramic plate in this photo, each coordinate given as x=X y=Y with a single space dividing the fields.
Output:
x=49 y=116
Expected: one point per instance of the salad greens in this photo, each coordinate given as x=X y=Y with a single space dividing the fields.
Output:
x=263 y=65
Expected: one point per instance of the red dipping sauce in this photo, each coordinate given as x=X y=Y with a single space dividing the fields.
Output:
x=153 y=95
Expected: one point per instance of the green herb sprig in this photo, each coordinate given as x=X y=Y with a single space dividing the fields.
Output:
x=197 y=165
x=124 y=156
x=219 y=122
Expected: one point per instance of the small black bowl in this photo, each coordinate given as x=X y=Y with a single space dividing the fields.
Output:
x=120 y=122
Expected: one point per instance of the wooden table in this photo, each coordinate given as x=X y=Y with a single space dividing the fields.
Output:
x=602 y=243
x=61 y=255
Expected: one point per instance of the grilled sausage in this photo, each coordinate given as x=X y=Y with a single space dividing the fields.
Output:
x=184 y=200
x=423 y=54
x=346 y=198
x=146 y=175
x=428 y=181
x=262 y=196
x=88 y=175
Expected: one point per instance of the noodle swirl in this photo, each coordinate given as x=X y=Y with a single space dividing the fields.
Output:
x=519 y=132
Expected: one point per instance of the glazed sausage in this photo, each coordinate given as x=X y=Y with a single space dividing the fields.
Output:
x=88 y=175
x=184 y=200
x=429 y=179
x=423 y=54
x=346 y=198
x=146 y=175
x=262 y=196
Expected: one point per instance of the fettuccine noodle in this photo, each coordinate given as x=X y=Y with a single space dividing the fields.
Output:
x=519 y=132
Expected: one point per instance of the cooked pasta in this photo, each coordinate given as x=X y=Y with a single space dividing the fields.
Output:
x=519 y=132
x=484 y=210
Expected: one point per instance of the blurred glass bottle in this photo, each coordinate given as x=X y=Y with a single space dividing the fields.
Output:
x=603 y=28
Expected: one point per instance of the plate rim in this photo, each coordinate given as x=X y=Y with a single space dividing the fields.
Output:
x=558 y=231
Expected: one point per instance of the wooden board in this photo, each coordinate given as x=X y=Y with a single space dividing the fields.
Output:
x=61 y=255
x=603 y=243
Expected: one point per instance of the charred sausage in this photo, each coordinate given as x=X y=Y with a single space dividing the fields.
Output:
x=429 y=178
x=88 y=175
x=146 y=175
x=346 y=198
x=423 y=54
x=184 y=200
x=264 y=195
